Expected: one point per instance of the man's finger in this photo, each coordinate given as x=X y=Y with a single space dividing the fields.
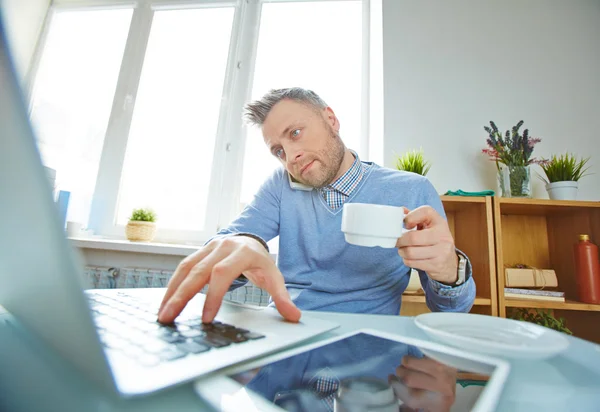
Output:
x=197 y=278
x=427 y=265
x=183 y=269
x=425 y=237
x=222 y=276
x=273 y=283
x=425 y=216
x=413 y=253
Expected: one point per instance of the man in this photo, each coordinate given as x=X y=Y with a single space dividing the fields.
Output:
x=302 y=204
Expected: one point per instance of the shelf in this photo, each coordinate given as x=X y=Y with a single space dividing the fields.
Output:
x=406 y=298
x=462 y=203
x=513 y=206
x=122 y=245
x=546 y=304
x=463 y=199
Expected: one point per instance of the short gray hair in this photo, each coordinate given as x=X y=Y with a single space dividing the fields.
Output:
x=256 y=112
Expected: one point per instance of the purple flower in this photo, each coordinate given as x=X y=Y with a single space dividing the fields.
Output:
x=513 y=149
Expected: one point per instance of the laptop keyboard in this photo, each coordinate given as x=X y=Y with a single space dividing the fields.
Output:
x=130 y=326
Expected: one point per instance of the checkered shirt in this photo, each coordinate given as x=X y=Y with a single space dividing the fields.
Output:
x=339 y=191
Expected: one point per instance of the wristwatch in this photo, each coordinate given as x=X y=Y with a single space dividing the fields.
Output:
x=462 y=269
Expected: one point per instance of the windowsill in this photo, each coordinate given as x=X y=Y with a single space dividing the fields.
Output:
x=122 y=245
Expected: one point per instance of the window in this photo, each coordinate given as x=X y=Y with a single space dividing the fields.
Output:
x=73 y=94
x=170 y=147
x=141 y=106
x=300 y=44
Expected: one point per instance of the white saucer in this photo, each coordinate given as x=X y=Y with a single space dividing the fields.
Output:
x=496 y=336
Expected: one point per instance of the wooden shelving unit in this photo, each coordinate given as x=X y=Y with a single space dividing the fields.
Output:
x=541 y=233
x=542 y=304
x=410 y=298
x=471 y=222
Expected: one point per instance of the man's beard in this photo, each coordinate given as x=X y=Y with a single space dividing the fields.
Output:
x=331 y=158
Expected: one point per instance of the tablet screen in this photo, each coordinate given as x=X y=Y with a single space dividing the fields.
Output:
x=365 y=372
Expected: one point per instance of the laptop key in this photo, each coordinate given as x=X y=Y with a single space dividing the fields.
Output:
x=168 y=336
x=192 y=347
x=222 y=327
x=193 y=323
x=235 y=337
x=207 y=327
x=253 y=335
x=156 y=346
x=192 y=333
x=212 y=340
x=148 y=326
x=171 y=354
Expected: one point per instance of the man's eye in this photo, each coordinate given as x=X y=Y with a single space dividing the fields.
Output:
x=295 y=133
x=279 y=153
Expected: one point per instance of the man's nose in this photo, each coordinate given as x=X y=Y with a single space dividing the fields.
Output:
x=295 y=157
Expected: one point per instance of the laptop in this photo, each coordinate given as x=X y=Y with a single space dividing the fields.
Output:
x=111 y=336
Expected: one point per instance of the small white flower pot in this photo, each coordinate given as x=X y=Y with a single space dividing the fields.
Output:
x=562 y=190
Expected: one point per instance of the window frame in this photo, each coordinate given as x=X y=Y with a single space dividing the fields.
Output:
x=230 y=140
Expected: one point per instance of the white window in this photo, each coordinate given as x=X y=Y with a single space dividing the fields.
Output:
x=140 y=106
x=170 y=147
x=73 y=94
x=302 y=44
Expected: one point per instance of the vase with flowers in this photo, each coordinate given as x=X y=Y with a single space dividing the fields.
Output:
x=512 y=155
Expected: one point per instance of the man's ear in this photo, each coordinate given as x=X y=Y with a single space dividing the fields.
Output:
x=332 y=119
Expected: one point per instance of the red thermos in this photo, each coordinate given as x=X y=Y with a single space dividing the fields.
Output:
x=587 y=270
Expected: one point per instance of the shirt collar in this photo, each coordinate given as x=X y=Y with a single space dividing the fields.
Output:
x=344 y=184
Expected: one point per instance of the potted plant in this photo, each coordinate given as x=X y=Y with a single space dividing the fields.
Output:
x=543 y=318
x=141 y=226
x=413 y=161
x=562 y=175
x=512 y=154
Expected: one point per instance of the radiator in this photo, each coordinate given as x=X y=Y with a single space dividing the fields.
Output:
x=129 y=277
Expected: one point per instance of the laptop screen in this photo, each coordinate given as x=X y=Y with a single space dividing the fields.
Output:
x=367 y=372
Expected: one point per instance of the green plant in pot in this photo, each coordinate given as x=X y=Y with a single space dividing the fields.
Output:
x=413 y=161
x=141 y=226
x=562 y=175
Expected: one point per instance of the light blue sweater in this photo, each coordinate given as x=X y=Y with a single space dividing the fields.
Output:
x=321 y=270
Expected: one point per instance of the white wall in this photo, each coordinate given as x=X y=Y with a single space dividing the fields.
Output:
x=24 y=21
x=452 y=66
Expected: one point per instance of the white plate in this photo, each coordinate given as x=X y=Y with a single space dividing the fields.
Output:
x=496 y=336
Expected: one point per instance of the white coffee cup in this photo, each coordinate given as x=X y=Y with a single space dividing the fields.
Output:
x=74 y=229
x=371 y=225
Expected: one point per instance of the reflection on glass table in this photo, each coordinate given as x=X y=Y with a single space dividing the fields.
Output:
x=364 y=372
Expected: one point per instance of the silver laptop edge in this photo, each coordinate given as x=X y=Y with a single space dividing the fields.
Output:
x=38 y=270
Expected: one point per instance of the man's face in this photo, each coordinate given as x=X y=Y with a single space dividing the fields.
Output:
x=306 y=141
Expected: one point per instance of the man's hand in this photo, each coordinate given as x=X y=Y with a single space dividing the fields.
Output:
x=218 y=264
x=424 y=384
x=430 y=247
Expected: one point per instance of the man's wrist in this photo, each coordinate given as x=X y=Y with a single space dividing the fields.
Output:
x=463 y=270
x=255 y=237
x=454 y=278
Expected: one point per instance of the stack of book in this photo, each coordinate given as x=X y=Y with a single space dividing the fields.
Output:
x=531 y=284
x=534 y=294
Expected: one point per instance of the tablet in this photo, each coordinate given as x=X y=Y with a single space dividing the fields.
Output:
x=366 y=370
